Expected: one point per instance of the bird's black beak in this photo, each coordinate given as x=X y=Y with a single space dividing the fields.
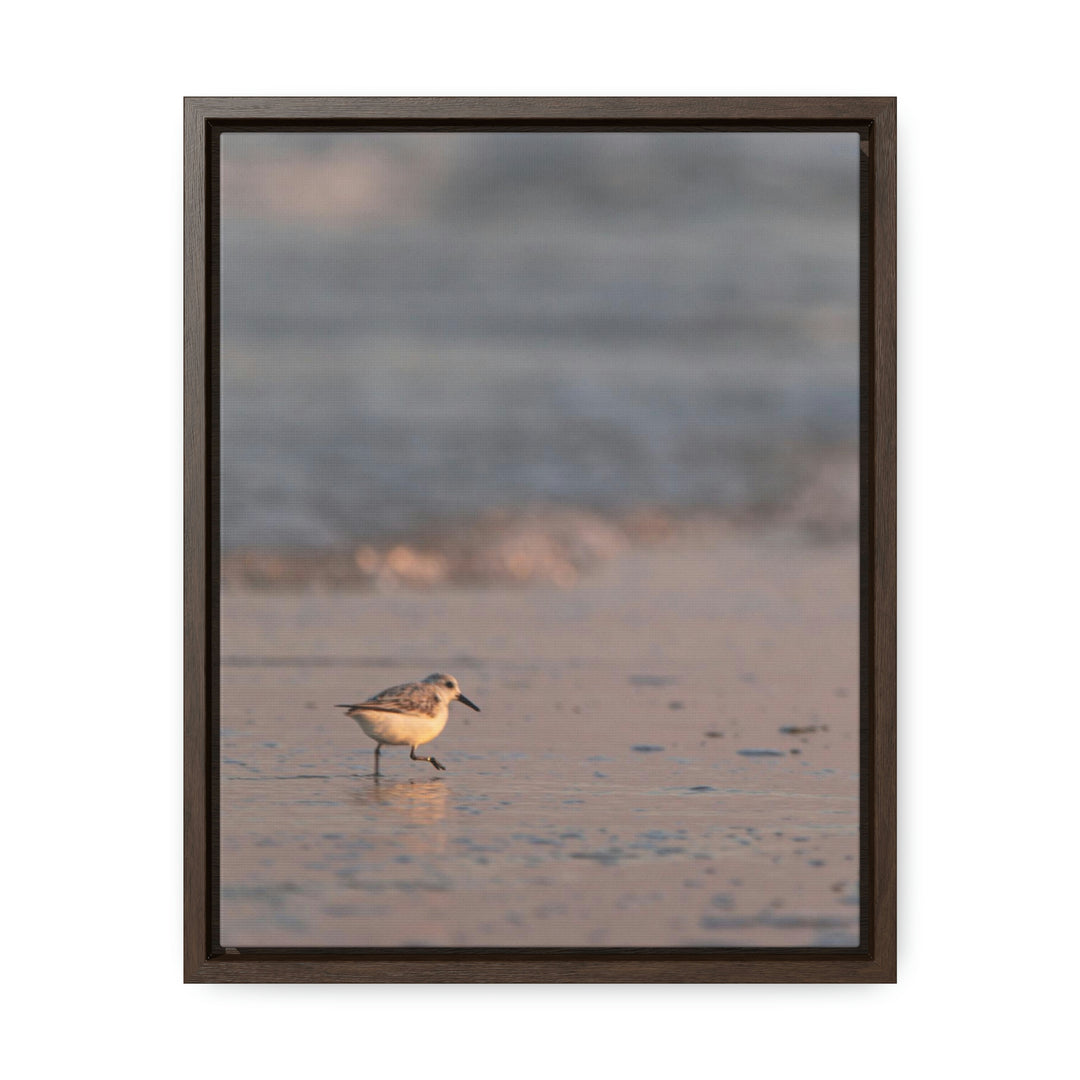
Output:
x=465 y=701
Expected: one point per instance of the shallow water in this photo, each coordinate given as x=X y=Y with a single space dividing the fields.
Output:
x=629 y=781
x=513 y=849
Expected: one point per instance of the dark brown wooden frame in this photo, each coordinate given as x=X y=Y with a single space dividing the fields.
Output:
x=875 y=959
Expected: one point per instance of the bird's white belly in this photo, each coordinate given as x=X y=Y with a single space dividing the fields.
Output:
x=401 y=729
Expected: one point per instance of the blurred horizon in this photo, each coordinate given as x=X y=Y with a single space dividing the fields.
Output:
x=419 y=327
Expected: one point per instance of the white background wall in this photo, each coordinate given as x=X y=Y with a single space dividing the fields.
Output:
x=92 y=592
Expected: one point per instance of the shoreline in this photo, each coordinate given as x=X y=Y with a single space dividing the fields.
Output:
x=544 y=544
x=667 y=755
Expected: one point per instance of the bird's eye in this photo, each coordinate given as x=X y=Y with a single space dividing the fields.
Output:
x=450 y=684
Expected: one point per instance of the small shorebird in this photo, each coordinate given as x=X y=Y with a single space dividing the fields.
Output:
x=408 y=715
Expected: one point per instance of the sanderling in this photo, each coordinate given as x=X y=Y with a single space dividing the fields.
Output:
x=408 y=715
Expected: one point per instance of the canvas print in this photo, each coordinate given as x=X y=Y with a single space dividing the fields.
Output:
x=539 y=539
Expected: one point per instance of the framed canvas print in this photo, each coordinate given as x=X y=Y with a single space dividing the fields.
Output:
x=540 y=539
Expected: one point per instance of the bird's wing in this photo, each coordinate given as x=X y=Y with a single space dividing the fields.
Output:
x=407 y=698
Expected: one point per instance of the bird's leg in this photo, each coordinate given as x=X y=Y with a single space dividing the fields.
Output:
x=378 y=747
x=412 y=754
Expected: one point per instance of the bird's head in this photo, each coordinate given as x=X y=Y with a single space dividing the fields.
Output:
x=448 y=689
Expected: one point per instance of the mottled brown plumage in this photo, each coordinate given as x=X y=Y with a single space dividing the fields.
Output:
x=421 y=698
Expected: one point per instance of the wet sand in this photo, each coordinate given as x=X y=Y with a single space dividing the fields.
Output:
x=629 y=781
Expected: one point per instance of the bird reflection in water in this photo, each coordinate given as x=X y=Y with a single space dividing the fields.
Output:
x=409 y=813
